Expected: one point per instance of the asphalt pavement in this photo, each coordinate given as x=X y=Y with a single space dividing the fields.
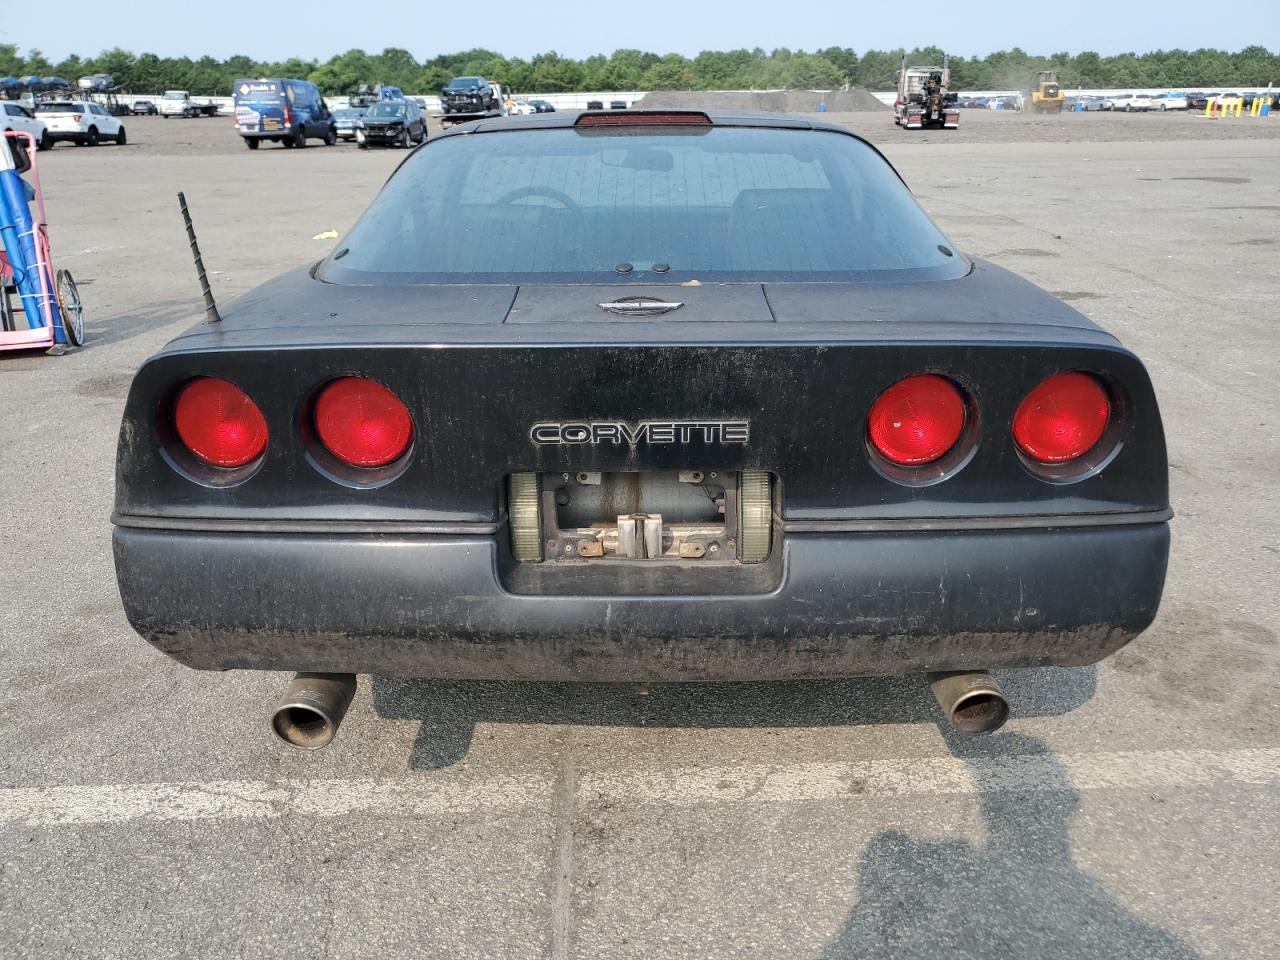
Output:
x=1127 y=810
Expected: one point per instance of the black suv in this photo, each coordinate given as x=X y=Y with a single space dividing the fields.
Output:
x=468 y=95
x=392 y=123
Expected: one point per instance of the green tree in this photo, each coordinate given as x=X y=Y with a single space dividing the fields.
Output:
x=672 y=72
x=344 y=73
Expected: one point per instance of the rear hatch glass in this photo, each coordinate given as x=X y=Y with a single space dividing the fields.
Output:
x=630 y=204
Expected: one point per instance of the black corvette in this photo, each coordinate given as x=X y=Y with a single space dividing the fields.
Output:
x=642 y=396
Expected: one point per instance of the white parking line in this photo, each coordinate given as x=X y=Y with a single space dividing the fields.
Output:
x=263 y=800
x=434 y=795
x=933 y=776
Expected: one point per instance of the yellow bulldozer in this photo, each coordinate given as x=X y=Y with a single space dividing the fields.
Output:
x=1047 y=97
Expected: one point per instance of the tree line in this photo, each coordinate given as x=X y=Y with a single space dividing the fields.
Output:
x=829 y=68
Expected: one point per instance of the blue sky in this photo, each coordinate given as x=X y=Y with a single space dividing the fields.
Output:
x=321 y=28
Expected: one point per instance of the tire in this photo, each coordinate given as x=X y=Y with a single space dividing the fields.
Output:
x=330 y=137
x=300 y=137
x=120 y=138
x=70 y=308
x=251 y=143
x=92 y=139
x=402 y=141
x=46 y=142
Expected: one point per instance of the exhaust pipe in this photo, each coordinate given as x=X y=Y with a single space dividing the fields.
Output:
x=312 y=708
x=972 y=700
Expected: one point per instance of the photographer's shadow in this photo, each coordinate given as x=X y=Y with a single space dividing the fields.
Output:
x=1019 y=895
x=449 y=710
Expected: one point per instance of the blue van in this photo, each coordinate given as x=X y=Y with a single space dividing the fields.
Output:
x=286 y=111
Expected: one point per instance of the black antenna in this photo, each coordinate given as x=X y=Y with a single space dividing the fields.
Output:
x=210 y=308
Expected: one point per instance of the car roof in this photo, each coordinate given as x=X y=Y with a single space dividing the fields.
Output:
x=564 y=119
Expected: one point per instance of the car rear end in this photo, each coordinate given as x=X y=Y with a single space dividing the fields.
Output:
x=810 y=440
x=64 y=120
x=262 y=110
x=346 y=122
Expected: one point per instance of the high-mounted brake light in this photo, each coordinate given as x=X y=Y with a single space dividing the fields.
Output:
x=1062 y=418
x=219 y=423
x=362 y=423
x=916 y=420
x=635 y=119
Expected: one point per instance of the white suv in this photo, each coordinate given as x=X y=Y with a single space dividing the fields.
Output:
x=81 y=121
x=14 y=116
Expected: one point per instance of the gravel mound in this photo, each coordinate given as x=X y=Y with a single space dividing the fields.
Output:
x=773 y=101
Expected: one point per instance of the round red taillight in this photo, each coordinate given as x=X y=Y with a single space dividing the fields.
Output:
x=1062 y=419
x=219 y=423
x=362 y=423
x=917 y=420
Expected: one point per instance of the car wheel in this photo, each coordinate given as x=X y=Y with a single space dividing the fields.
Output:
x=120 y=138
x=300 y=137
x=92 y=139
x=330 y=137
x=46 y=142
x=251 y=143
x=70 y=308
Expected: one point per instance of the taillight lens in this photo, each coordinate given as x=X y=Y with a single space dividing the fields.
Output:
x=219 y=423
x=917 y=420
x=362 y=423
x=1062 y=418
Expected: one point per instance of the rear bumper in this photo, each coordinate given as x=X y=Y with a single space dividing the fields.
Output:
x=841 y=604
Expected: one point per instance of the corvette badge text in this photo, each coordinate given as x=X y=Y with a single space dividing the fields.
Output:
x=646 y=431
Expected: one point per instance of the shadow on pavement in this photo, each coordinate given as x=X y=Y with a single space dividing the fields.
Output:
x=1018 y=895
x=449 y=710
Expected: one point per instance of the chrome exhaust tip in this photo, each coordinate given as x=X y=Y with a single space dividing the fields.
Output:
x=971 y=700
x=312 y=708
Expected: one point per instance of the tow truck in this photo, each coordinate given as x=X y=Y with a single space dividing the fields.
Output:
x=179 y=103
x=924 y=98
x=488 y=92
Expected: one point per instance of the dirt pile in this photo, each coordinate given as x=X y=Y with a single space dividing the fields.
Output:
x=773 y=101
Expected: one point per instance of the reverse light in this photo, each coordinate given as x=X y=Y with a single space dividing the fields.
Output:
x=917 y=420
x=1062 y=418
x=362 y=423
x=218 y=423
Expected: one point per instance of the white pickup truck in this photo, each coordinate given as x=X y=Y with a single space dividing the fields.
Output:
x=178 y=103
